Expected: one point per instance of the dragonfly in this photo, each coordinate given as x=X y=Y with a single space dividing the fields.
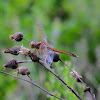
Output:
x=45 y=46
x=46 y=42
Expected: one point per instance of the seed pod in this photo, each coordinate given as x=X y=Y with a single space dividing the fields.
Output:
x=17 y=36
x=23 y=70
x=87 y=89
x=12 y=63
x=56 y=57
x=78 y=78
x=34 y=57
x=15 y=50
x=74 y=73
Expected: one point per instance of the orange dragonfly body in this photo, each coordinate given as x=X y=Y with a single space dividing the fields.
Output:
x=41 y=44
x=38 y=46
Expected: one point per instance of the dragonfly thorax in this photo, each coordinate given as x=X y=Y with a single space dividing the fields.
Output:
x=35 y=45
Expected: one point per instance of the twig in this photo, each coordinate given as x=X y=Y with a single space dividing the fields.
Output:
x=24 y=61
x=63 y=82
x=33 y=83
x=73 y=72
x=92 y=95
x=26 y=40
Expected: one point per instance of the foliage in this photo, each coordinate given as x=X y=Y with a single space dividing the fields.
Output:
x=73 y=26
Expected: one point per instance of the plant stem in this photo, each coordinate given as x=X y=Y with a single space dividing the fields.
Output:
x=33 y=83
x=27 y=40
x=92 y=95
x=73 y=72
x=62 y=81
x=24 y=61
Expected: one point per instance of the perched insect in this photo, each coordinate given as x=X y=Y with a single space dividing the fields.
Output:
x=46 y=48
x=46 y=43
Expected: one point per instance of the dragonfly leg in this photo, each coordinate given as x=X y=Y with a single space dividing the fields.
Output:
x=35 y=50
x=38 y=52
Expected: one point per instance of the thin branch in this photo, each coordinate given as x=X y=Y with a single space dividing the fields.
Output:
x=33 y=83
x=26 y=40
x=73 y=72
x=92 y=95
x=63 y=82
x=24 y=61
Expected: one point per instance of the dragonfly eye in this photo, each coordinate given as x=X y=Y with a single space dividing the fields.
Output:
x=32 y=44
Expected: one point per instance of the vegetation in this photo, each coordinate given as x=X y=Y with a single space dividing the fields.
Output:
x=72 y=26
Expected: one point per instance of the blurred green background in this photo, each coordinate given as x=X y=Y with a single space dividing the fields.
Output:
x=72 y=25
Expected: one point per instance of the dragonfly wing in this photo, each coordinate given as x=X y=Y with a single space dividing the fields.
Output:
x=44 y=36
x=45 y=52
x=48 y=59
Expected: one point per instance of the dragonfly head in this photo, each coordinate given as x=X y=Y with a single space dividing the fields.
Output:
x=32 y=44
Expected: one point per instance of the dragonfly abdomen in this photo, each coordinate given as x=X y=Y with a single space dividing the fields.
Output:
x=73 y=55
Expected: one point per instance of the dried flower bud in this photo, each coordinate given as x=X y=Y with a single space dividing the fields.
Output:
x=25 y=51
x=23 y=70
x=74 y=73
x=34 y=57
x=12 y=63
x=15 y=50
x=79 y=78
x=87 y=89
x=56 y=57
x=17 y=36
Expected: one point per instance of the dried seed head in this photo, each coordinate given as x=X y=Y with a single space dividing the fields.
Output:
x=56 y=57
x=12 y=63
x=23 y=70
x=74 y=73
x=15 y=50
x=17 y=36
x=87 y=89
x=34 y=57
x=78 y=78
x=25 y=51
